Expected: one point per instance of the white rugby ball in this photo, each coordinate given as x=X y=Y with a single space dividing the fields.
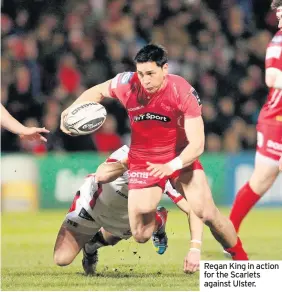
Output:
x=85 y=118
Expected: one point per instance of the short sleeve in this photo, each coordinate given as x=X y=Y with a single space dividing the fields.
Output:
x=120 y=85
x=189 y=103
x=119 y=154
x=273 y=57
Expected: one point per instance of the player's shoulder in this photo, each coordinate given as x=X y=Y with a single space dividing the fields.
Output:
x=177 y=81
x=119 y=154
x=277 y=39
x=123 y=78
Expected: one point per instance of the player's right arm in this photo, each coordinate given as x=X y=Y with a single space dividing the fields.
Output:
x=110 y=171
x=114 y=167
x=94 y=94
x=115 y=88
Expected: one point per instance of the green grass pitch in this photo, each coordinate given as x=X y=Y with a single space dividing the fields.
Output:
x=28 y=239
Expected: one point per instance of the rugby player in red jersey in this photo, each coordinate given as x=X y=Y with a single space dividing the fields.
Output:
x=269 y=131
x=165 y=113
x=98 y=217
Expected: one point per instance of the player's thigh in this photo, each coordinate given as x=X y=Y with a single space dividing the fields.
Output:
x=68 y=244
x=77 y=229
x=142 y=205
x=194 y=186
x=144 y=200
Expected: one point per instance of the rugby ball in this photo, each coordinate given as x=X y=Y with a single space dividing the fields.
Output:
x=85 y=118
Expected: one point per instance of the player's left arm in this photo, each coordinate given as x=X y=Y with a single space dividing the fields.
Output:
x=110 y=171
x=280 y=163
x=189 y=105
x=192 y=259
x=194 y=129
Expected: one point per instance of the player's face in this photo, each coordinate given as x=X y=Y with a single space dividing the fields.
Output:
x=279 y=16
x=151 y=76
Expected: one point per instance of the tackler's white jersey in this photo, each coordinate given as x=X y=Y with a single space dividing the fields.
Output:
x=105 y=205
x=112 y=196
x=102 y=205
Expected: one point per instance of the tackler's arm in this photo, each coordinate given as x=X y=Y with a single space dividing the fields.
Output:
x=110 y=171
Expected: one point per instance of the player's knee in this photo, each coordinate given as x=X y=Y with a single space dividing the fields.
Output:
x=262 y=178
x=198 y=210
x=210 y=216
x=62 y=259
x=141 y=236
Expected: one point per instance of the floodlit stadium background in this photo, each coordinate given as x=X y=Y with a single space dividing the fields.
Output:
x=53 y=50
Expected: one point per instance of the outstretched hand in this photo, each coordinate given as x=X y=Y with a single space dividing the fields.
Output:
x=33 y=133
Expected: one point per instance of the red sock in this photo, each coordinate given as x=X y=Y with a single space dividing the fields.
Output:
x=244 y=201
x=237 y=252
x=159 y=220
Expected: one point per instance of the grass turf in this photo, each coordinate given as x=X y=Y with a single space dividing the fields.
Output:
x=28 y=239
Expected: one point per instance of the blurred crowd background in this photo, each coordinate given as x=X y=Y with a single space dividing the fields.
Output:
x=52 y=50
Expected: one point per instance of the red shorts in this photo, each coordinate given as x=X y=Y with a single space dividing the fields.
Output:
x=269 y=140
x=139 y=178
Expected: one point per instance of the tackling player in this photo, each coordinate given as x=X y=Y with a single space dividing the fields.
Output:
x=165 y=113
x=269 y=131
x=11 y=124
x=101 y=210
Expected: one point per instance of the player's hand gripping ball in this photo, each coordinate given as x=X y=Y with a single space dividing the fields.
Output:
x=85 y=118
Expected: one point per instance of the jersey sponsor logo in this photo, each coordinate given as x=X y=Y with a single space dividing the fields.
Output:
x=72 y=223
x=126 y=77
x=195 y=94
x=151 y=117
x=138 y=174
x=135 y=108
x=137 y=177
x=121 y=194
x=274 y=145
x=135 y=181
x=273 y=52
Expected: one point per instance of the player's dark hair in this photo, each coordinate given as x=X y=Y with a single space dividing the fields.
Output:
x=152 y=53
x=276 y=3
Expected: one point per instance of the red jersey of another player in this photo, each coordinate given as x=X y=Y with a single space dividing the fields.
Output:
x=271 y=112
x=157 y=119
